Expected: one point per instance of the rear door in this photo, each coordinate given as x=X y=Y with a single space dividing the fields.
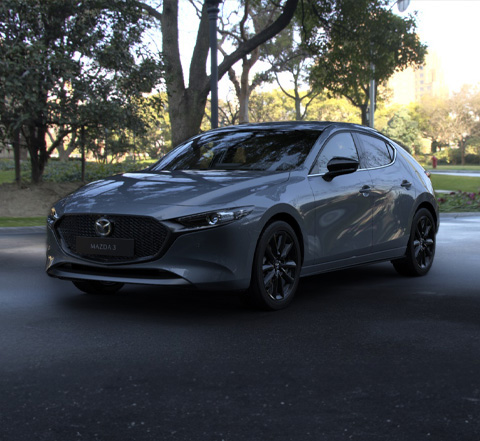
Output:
x=393 y=192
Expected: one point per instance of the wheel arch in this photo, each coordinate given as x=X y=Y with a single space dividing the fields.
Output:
x=428 y=202
x=292 y=221
x=430 y=208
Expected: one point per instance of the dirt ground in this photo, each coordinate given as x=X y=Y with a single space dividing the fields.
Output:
x=33 y=200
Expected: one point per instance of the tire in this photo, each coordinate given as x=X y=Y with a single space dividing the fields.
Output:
x=276 y=267
x=97 y=287
x=421 y=246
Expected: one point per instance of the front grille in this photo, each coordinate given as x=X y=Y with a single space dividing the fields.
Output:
x=150 y=235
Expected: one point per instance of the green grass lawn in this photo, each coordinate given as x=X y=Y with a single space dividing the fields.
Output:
x=22 y=221
x=454 y=167
x=7 y=176
x=456 y=183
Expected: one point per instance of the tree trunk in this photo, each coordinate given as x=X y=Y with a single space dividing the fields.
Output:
x=298 y=104
x=186 y=114
x=37 y=147
x=64 y=153
x=243 y=100
x=82 y=146
x=462 y=150
x=244 y=96
x=187 y=105
x=16 y=154
x=364 y=110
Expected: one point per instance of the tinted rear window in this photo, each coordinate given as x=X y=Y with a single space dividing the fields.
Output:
x=377 y=152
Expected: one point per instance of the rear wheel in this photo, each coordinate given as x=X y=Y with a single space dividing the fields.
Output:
x=421 y=246
x=276 y=267
x=97 y=287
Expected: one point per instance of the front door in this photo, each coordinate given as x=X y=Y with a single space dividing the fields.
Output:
x=343 y=207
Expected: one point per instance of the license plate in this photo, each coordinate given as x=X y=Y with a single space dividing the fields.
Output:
x=105 y=247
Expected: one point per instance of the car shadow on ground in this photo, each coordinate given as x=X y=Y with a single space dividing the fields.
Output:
x=314 y=292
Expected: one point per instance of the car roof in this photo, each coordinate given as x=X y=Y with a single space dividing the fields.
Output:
x=296 y=125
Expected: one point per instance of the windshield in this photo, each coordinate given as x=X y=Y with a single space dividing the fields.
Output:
x=271 y=150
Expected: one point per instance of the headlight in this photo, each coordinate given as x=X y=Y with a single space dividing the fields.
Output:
x=214 y=218
x=52 y=216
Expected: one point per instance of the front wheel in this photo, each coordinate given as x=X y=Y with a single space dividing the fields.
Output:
x=97 y=287
x=421 y=246
x=276 y=267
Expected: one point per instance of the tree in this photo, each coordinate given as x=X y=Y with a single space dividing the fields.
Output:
x=271 y=106
x=187 y=103
x=464 y=112
x=153 y=136
x=286 y=55
x=324 y=108
x=404 y=128
x=434 y=121
x=66 y=64
x=261 y=14
x=358 y=34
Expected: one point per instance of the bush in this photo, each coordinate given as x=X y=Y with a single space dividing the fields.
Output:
x=451 y=156
x=9 y=164
x=72 y=170
x=454 y=156
x=459 y=201
x=472 y=159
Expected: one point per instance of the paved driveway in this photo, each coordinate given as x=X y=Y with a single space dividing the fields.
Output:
x=362 y=354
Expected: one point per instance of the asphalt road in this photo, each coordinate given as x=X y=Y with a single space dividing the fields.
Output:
x=361 y=354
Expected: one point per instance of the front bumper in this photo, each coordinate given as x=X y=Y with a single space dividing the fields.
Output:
x=215 y=258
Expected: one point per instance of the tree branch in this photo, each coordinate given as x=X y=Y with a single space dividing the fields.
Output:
x=150 y=10
x=283 y=90
x=248 y=46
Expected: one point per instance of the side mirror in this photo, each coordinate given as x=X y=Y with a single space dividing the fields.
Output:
x=340 y=166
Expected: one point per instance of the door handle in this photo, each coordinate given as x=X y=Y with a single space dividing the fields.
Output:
x=406 y=184
x=365 y=191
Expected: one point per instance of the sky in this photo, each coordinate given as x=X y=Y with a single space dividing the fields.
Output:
x=452 y=29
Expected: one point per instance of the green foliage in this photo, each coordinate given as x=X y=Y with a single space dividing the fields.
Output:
x=323 y=108
x=357 y=34
x=453 y=156
x=67 y=64
x=271 y=106
x=71 y=171
x=403 y=128
x=9 y=164
x=459 y=201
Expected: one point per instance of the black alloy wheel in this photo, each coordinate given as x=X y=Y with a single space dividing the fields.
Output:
x=276 y=267
x=97 y=287
x=421 y=246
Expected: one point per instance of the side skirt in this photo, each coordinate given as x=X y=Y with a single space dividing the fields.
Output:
x=381 y=256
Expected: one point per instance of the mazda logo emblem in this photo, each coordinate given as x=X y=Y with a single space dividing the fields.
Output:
x=103 y=227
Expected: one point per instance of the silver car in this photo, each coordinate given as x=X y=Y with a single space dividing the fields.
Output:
x=253 y=208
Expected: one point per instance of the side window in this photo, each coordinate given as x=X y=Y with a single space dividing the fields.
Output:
x=377 y=152
x=391 y=152
x=341 y=145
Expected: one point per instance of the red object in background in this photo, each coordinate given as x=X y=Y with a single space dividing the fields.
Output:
x=434 y=161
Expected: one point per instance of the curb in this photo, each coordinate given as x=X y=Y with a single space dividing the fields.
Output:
x=457 y=215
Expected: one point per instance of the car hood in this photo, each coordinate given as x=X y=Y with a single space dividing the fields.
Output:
x=147 y=192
